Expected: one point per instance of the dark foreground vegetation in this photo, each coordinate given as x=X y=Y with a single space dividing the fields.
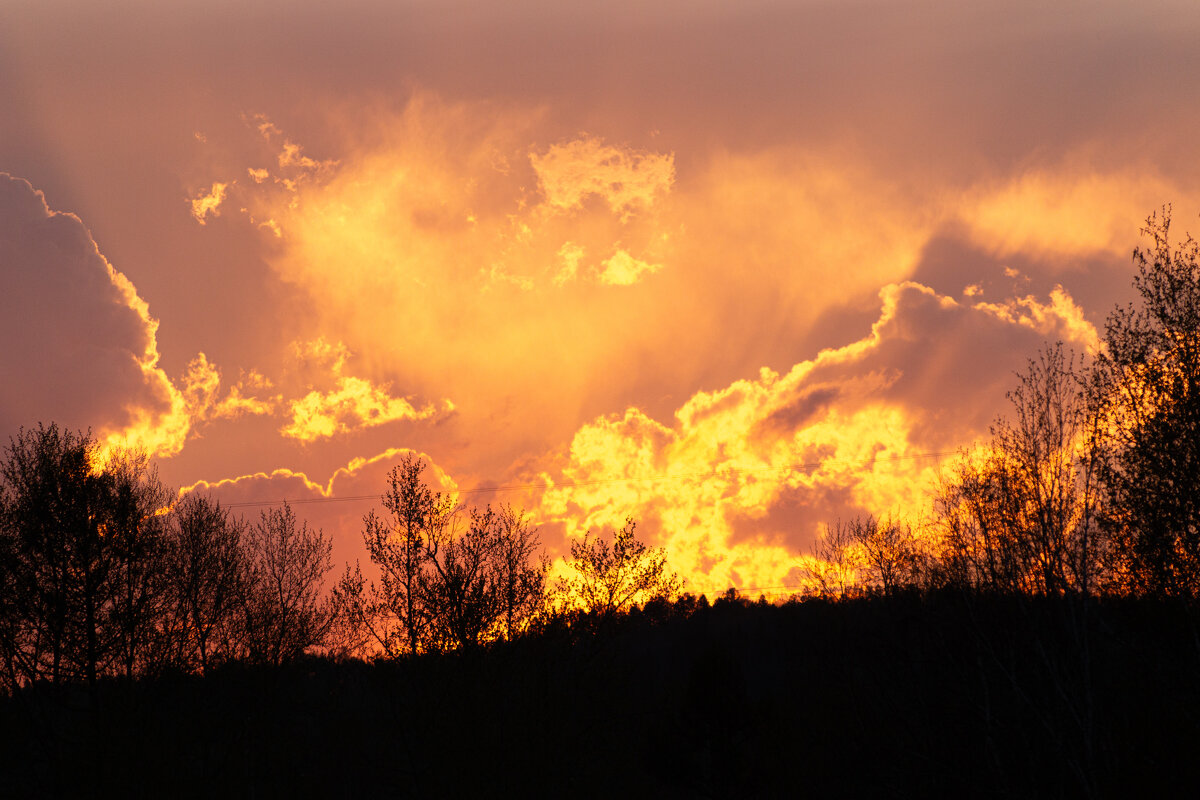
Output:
x=904 y=696
x=1037 y=635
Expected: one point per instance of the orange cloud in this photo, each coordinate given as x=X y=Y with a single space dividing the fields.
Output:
x=622 y=269
x=746 y=476
x=484 y=251
x=628 y=181
x=570 y=254
x=353 y=405
x=1059 y=318
x=209 y=203
x=457 y=260
x=1065 y=210
x=238 y=402
x=320 y=354
x=291 y=155
x=201 y=385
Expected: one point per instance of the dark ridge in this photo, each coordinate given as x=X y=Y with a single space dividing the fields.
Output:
x=905 y=696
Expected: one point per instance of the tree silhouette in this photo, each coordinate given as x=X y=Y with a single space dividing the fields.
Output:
x=285 y=613
x=57 y=563
x=462 y=590
x=609 y=579
x=837 y=559
x=136 y=535
x=395 y=612
x=1018 y=515
x=207 y=572
x=1147 y=380
x=889 y=553
x=521 y=571
x=449 y=578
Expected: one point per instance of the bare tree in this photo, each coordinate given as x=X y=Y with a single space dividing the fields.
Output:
x=462 y=586
x=1147 y=381
x=394 y=611
x=1019 y=516
x=521 y=570
x=609 y=579
x=135 y=534
x=449 y=577
x=836 y=561
x=285 y=612
x=57 y=568
x=889 y=553
x=350 y=635
x=484 y=582
x=207 y=571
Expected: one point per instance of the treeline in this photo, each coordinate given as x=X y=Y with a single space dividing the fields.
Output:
x=1088 y=488
x=451 y=577
x=105 y=572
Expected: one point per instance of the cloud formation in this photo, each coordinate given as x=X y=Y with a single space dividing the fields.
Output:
x=738 y=485
x=628 y=181
x=622 y=269
x=209 y=203
x=80 y=345
x=614 y=242
x=354 y=404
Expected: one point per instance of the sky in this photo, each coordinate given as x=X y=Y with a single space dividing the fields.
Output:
x=735 y=271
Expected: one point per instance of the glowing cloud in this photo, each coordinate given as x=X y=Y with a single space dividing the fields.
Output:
x=320 y=354
x=209 y=202
x=743 y=480
x=1065 y=210
x=290 y=155
x=425 y=200
x=240 y=402
x=354 y=404
x=352 y=486
x=88 y=351
x=1060 y=317
x=623 y=269
x=201 y=382
x=570 y=254
x=628 y=181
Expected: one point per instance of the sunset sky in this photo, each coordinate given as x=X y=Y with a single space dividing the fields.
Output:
x=732 y=269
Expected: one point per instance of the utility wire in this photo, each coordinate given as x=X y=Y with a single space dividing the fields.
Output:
x=542 y=487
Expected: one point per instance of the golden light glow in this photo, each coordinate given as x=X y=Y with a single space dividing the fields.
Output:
x=1060 y=318
x=354 y=404
x=627 y=181
x=1065 y=212
x=623 y=269
x=327 y=489
x=444 y=248
x=238 y=402
x=737 y=290
x=833 y=425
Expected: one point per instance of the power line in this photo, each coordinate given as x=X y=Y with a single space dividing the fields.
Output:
x=542 y=487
